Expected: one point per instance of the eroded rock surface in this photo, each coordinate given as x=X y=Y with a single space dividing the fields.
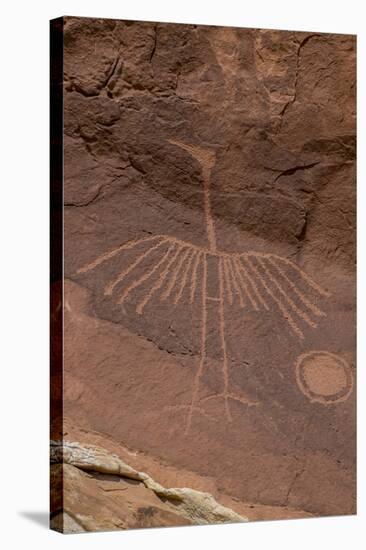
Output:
x=228 y=155
x=149 y=505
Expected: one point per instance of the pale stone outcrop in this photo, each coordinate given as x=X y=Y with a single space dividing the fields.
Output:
x=197 y=506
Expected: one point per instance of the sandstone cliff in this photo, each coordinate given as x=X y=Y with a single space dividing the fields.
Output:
x=102 y=492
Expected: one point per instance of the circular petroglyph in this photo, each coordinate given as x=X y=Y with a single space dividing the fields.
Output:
x=324 y=377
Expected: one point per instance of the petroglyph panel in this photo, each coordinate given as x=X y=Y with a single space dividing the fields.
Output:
x=209 y=252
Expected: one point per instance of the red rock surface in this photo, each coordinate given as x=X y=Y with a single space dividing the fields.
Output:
x=241 y=143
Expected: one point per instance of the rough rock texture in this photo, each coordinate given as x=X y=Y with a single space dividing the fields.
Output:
x=191 y=507
x=221 y=340
x=100 y=502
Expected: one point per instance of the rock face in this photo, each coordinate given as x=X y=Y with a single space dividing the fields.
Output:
x=209 y=235
x=99 y=502
x=151 y=503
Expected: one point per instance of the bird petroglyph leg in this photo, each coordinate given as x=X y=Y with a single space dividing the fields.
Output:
x=225 y=369
x=227 y=280
x=201 y=365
